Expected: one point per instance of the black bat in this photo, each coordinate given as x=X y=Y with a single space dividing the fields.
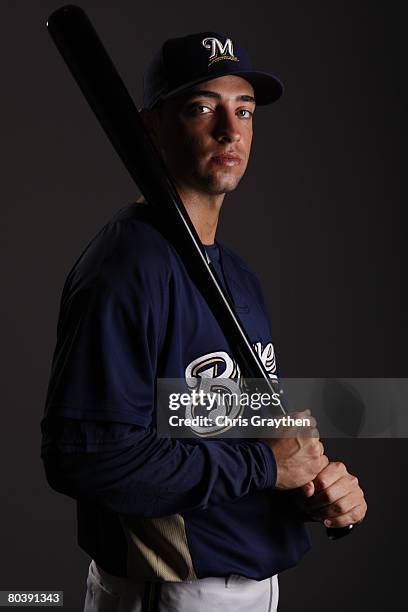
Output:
x=103 y=88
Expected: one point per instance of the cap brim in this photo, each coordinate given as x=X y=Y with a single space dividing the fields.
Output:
x=267 y=88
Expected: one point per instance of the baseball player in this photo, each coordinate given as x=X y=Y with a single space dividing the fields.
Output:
x=172 y=524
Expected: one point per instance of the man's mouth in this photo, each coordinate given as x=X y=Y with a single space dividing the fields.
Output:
x=226 y=159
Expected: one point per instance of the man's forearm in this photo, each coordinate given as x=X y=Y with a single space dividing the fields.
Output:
x=151 y=476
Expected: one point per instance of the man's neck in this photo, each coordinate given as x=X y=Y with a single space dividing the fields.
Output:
x=203 y=210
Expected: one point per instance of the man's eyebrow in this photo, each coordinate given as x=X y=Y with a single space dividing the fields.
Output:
x=205 y=93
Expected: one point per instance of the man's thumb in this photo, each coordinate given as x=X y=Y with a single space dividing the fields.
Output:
x=308 y=489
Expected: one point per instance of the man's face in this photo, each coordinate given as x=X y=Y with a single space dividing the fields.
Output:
x=205 y=134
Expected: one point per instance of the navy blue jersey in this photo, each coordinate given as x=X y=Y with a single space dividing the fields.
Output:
x=155 y=508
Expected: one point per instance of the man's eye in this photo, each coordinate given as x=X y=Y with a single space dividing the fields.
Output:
x=200 y=109
x=245 y=113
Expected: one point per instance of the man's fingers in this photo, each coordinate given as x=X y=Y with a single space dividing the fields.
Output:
x=335 y=496
x=341 y=505
x=339 y=490
x=354 y=515
x=332 y=473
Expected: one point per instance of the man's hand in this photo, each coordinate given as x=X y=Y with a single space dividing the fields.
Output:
x=298 y=459
x=334 y=497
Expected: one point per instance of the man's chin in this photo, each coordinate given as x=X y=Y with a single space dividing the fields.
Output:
x=218 y=186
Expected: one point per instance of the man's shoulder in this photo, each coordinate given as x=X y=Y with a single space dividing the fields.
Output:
x=134 y=229
x=130 y=243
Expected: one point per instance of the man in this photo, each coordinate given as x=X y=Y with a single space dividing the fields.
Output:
x=204 y=524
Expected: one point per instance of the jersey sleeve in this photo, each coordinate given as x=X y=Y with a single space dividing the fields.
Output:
x=130 y=470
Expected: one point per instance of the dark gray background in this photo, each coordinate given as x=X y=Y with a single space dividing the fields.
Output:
x=319 y=216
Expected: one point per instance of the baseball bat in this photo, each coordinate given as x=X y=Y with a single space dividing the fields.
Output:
x=103 y=88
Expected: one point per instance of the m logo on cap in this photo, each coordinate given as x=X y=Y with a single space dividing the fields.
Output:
x=219 y=51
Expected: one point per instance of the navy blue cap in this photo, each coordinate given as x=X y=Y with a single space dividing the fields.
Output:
x=183 y=62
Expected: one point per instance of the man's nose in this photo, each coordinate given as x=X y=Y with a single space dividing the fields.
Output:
x=227 y=127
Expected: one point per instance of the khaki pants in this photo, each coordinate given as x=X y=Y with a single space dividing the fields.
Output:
x=107 y=593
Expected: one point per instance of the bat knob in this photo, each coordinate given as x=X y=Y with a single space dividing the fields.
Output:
x=335 y=533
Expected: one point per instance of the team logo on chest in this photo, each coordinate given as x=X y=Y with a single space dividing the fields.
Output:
x=219 y=51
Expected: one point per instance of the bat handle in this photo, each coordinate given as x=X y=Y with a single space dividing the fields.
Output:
x=335 y=533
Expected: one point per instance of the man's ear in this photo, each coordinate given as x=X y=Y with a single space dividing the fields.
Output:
x=151 y=123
